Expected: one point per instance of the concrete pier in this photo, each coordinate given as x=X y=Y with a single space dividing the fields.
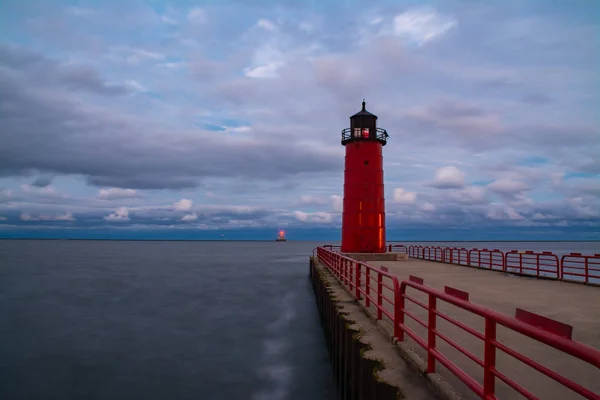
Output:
x=367 y=365
x=571 y=303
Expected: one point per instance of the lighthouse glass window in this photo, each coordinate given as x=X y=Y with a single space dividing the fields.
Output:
x=365 y=133
x=356 y=132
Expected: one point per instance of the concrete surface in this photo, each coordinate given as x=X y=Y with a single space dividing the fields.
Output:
x=396 y=371
x=574 y=304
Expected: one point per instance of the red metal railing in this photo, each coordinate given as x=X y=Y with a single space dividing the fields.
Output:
x=433 y=253
x=361 y=279
x=438 y=254
x=544 y=264
x=573 y=267
x=333 y=247
x=579 y=267
x=455 y=255
x=541 y=329
x=484 y=258
x=369 y=286
x=398 y=248
x=415 y=251
x=427 y=253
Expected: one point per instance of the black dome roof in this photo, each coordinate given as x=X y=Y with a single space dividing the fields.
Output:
x=363 y=112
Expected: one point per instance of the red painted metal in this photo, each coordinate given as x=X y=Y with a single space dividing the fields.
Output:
x=491 y=345
x=363 y=217
x=426 y=253
x=484 y=258
x=459 y=294
x=456 y=255
x=414 y=251
x=398 y=248
x=547 y=324
x=345 y=269
x=541 y=264
x=438 y=254
x=544 y=330
x=578 y=267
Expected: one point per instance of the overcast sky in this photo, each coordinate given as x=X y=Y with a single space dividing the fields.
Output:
x=218 y=116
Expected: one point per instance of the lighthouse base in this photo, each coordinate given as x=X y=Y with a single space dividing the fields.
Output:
x=377 y=256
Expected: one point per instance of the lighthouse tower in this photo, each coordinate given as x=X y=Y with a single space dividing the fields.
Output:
x=363 y=218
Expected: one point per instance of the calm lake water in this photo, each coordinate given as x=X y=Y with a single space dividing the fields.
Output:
x=168 y=320
x=159 y=320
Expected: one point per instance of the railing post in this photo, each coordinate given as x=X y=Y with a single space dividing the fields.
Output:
x=431 y=334
x=398 y=310
x=367 y=287
x=379 y=295
x=521 y=263
x=537 y=259
x=489 y=359
x=587 y=270
x=357 y=281
x=346 y=272
x=350 y=275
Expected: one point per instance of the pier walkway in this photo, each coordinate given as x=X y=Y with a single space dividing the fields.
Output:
x=466 y=345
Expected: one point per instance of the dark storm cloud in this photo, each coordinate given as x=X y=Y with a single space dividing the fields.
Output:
x=42 y=181
x=44 y=131
x=35 y=68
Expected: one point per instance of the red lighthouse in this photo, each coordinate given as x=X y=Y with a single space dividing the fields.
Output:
x=363 y=218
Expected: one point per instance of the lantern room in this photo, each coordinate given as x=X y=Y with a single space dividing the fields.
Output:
x=363 y=126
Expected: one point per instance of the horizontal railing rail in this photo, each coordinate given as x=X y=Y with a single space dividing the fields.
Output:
x=456 y=255
x=397 y=248
x=484 y=258
x=579 y=267
x=376 y=287
x=544 y=264
x=573 y=267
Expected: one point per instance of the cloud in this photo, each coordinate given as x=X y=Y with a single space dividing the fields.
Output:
x=183 y=205
x=449 y=177
x=427 y=206
x=238 y=108
x=121 y=214
x=471 y=195
x=404 y=197
x=117 y=193
x=315 y=217
x=66 y=217
x=421 y=25
x=267 y=25
x=42 y=181
x=22 y=65
x=43 y=191
x=497 y=212
x=337 y=203
x=508 y=187
x=189 y=217
x=163 y=160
